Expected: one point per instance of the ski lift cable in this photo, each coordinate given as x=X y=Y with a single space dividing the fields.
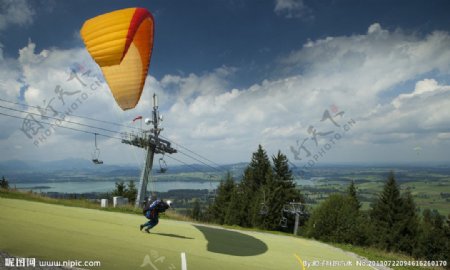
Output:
x=99 y=128
x=191 y=151
x=112 y=131
x=72 y=115
x=196 y=159
x=103 y=135
x=134 y=151
x=59 y=119
x=60 y=126
x=189 y=165
x=101 y=121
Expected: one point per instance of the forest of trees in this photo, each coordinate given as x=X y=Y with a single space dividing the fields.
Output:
x=258 y=200
x=4 y=183
x=392 y=222
x=127 y=191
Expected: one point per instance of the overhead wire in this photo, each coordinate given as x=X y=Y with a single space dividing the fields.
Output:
x=72 y=115
x=71 y=128
x=196 y=159
x=113 y=137
x=103 y=129
x=190 y=151
x=60 y=119
x=189 y=165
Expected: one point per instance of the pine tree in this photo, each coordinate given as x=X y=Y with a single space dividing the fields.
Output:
x=219 y=207
x=279 y=190
x=447 y=242
x=351 y=191
x=281 y=167
x=433 y=242
x=385 y=214
x=131 y=192
x=120 y=189
x=4 y=183
x=259 y=167
x=236 y=214
x=196 y=211
x=407 y=227
x=283 y=175
x=255 y=176
x=264 y=212
x=336 y=220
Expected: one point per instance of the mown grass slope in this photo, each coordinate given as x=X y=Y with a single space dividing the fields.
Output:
x=55 y=232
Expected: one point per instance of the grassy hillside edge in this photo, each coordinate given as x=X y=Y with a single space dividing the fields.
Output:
x=371 y=254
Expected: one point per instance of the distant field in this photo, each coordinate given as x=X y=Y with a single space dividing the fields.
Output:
x=53 y=232
x=430 y=187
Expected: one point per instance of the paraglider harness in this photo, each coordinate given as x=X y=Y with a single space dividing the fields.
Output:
x=152 y=210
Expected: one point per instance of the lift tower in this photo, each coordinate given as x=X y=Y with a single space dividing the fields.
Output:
x=294 y=208
x=150 y=141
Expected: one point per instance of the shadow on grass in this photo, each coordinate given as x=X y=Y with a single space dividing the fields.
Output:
x=231 y=242
x=173 y=235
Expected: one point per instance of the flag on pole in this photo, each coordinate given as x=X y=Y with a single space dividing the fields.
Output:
x=137 y=118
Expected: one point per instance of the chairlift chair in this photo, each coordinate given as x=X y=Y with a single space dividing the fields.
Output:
x=283 y=222
x=96 y=154
x=264 y=209
x=211 y=190
x=162 y=165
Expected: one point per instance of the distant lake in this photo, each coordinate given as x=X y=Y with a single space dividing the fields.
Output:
x=107 y=186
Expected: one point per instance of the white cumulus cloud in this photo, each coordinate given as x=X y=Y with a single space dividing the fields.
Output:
x=292 y=9
x=18 y=12
x=361 y=75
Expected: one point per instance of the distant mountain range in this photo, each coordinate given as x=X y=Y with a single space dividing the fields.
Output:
x=81 y=169
x=85 y=170
x=57 y=165
x=83 y=164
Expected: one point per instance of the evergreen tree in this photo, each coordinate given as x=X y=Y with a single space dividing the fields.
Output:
x=279 y=190
x=281 y=167
x=196 y=211
x=337 y=220
x=262 y=186
x=266 y=203
x=394 y=219
x=219 y=207
x=4 y=183
x=236 y=213
x=284 y=178
x=120 y=189
x=131 y=192
x=433 y=242
x=255 y=176
x=407 y=227
x=258 y=169
x=447 y=244
x=351 y=191
x=385 y=215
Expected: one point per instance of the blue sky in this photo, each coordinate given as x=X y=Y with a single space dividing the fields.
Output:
x=233 y=74
x=198 y=36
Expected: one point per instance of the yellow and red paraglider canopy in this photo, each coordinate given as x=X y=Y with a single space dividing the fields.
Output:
x=121 y=43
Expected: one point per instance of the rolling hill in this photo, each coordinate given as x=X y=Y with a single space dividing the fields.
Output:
x=53 y=232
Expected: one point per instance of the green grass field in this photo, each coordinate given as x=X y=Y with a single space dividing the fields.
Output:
x=55 y=232
x=426 y=193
